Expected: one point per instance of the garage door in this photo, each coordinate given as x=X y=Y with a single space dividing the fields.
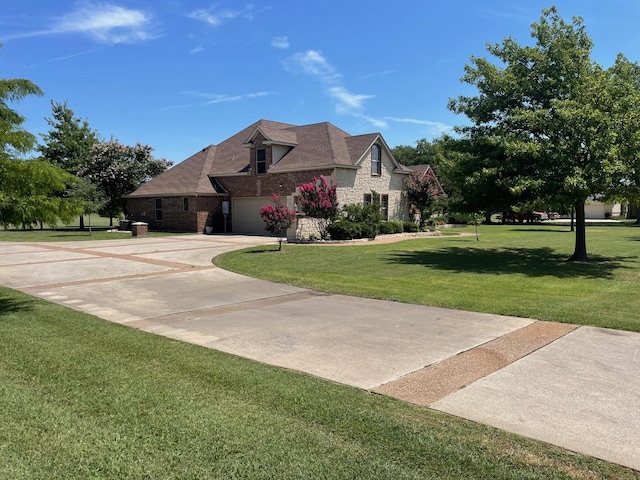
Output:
x=246 y=217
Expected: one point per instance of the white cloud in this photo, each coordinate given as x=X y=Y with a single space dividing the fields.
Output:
x=347 y=100
x=215 y=18
x=435 y=128
x=197 y=49
x=280 y=42
x=212 y=98
x=313 y=63
x=104 y=22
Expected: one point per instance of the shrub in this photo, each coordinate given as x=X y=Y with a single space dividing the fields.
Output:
x=387 y=228
x=367 y=230
x=367 y=213
x=410 y=227
x=342 y=230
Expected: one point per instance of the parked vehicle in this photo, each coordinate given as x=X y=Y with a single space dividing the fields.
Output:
x=540 y=216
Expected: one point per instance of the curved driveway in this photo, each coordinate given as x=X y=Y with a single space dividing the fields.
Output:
x=577 y=388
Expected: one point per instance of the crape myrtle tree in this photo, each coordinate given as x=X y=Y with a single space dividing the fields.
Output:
x=559 y=118
x=319 y=199
x=68 y=144
x=278 y=218
x=422 y=190
x=118 y=170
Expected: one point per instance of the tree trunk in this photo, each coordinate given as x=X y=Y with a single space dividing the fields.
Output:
x=580 y=250
x=638 y=214
x=81 y=222
x=573 y=218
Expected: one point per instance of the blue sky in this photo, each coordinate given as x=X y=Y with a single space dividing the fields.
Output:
x=180 y=75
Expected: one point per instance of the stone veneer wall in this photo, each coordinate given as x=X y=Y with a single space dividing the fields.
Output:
x=353 y=184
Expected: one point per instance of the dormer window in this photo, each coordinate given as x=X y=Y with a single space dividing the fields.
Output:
x=376 y=160
x=261 y=161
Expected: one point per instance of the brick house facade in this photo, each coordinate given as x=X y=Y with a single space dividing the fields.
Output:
x=223 y=185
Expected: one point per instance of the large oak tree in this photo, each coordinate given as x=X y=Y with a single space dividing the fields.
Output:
x=559 y=120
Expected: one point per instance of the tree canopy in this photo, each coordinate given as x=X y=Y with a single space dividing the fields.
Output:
x=119 y=169
x=548 y=121
x=14 y=140
x=69 y=142
x=31 y=191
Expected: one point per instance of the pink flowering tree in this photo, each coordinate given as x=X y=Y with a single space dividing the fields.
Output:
x=277 y=218
x=422 y=191
x=319 y=199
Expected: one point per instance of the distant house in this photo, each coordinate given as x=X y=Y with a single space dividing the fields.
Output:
x=223 y=186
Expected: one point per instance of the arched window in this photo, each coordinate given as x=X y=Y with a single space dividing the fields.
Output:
x=376 y=160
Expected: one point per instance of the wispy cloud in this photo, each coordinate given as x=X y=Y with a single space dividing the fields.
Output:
x=103 y=22
x=214 y=17
x=213 y=98
x=67 y=57
x=313 y=63
x=280 y=42
x=197 y=49
x=432 y=128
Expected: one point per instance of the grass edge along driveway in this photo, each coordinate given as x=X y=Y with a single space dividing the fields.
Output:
x=513 y=270
x=85 y=398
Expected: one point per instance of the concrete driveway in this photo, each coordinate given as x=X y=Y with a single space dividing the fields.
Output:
x=576 y=388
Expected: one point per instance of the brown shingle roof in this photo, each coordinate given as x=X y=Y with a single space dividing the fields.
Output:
x=319 y=145
x=186 y=178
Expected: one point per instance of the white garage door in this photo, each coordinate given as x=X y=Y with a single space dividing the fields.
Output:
x=246 y=216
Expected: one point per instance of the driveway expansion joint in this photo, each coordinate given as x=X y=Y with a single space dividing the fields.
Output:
x=437 y=381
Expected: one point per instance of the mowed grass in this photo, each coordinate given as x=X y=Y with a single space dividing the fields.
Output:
x=513 y=270
x=100 y=230
x=84 y=398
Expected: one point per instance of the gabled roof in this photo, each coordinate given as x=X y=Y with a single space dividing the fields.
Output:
x=315 y=146
x=186 y=178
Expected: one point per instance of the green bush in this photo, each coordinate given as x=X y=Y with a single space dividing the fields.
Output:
x=368 y=213
x=387 y=228
x=342 y=230
x=367 y=230
x=410 y=227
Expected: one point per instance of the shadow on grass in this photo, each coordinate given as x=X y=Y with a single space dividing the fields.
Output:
x=13 y=305
x=533 y=262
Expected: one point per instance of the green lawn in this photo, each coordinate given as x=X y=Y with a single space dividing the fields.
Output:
x=84 y=398
x=513 y=270
x=71 y=233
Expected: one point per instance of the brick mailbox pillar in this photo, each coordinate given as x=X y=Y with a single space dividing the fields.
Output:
x=139 y=229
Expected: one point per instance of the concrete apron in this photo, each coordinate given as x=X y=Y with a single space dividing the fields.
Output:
x=576 y=388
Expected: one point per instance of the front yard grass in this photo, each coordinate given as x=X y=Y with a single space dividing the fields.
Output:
x=84 y=398
x=513 y=270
